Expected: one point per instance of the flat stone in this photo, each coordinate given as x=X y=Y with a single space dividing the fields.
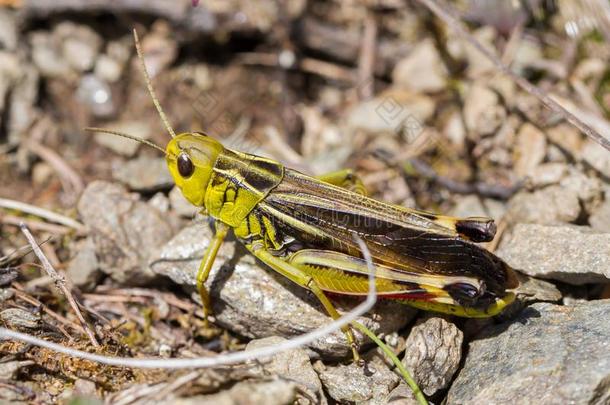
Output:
x=256 y=302
x=292 y=365
x=433 y=353
x=144 y=173
x=550 y=354
x=396 y=112
x=124 y=230
x=551 y=205
x=572 y=254
x=354 y=383
x=276 y=392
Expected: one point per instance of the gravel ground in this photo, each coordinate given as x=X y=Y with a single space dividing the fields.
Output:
x=386 y=88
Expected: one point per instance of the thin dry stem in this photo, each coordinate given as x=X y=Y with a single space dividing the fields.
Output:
x=60 y=282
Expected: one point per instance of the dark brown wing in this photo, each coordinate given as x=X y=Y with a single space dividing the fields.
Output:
x=323 y=216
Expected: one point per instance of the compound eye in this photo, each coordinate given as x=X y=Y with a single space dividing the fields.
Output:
x=185 y=165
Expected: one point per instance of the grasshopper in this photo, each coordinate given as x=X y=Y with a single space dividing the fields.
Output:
x=303 y=227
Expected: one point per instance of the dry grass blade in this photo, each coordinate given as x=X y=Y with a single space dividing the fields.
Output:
x=42 y=213
x=60 y=282
x=441 y=11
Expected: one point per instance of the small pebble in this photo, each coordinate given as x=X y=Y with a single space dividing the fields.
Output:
x=96 y=94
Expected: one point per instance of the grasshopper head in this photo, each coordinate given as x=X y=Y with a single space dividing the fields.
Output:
x=190 y=158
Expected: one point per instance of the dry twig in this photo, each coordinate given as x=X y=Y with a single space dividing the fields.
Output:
x=60 y=282
x=71 y=181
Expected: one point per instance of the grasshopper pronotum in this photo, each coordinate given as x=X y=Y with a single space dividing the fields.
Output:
x=303 y=227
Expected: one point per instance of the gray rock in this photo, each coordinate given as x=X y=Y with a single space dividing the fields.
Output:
x=8 y=30
x=276 y=392
x=84 y=388
x=292 y=365
x=597 y=156
x=108 y=69
x=256 y=302
x=159 y=202
x=181 y=205
x=95 y=94
x=353 y=383
x=125 y=231
x=546 y=174
x=600 y=217
x=9 y=370
x=483 y=113
x=422 y=70
x=551 y=205
x=47 y=57
x=84 y=269
x=588 y=188
x=572 y=254
x=478 y=66
x=80 y=45
x=144 y=173
x=395 y=112
x=529 y=150
x=550 y=354
x=6 y=293
x=401 y=395
x=433 y=353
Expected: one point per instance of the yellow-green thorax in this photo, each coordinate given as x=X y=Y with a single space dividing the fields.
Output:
x=227 y=184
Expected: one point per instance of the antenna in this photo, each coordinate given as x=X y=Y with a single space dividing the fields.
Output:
x=150 y=87
x=134 y=138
